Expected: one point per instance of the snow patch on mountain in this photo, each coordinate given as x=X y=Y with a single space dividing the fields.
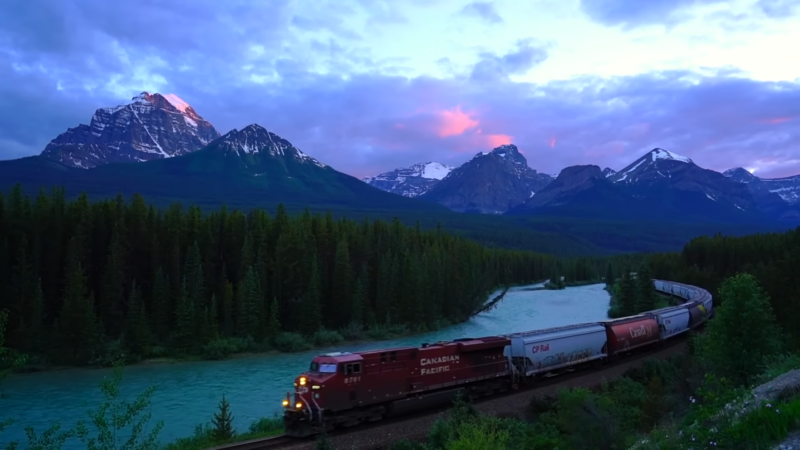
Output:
x=177 y=102
x=435 y=171
x=255 y=139
x=787 y=188
x=660 y=153
x=150 y=126
x=410 y=181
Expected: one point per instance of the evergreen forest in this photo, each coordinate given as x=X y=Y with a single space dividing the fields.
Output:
x=772 y=258
x=87 y=282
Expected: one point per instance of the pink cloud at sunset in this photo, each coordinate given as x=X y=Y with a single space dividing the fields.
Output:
x=454 y=122
x=778 y=120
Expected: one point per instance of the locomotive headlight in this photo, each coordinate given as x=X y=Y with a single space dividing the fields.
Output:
x=302 y=381
x=285 y=403
x=298 y=405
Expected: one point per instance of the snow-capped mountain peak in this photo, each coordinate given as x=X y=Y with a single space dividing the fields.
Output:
x=657 y=163
x=660 y=153
x=410 y=181
x=150 y=126
x=255 y=139
x=740 y=175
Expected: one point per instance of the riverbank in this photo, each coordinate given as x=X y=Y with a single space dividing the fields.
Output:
x=255 y=383
x=238 y=348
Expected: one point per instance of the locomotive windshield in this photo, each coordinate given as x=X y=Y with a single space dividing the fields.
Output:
x=323 y=368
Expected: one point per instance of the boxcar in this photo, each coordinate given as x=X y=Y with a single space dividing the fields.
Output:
x=672 y=320
x=541 y=351
x=629 y=333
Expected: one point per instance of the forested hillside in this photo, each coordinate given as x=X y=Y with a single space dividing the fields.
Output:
x=79 y=277
x=774 y=259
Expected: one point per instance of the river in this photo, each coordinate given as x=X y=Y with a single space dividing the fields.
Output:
x=187 y=393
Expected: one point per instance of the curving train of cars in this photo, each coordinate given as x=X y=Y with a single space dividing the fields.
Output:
x=345 y=389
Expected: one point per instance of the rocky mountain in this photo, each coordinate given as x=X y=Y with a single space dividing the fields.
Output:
x=778 y=197
x=410 y=181
x=659 y=186
x=788 y=188
x=489 y=183
x=150 y=126
x=245 y=168
x=662 y=169
x=571 y=183
x=607 y=172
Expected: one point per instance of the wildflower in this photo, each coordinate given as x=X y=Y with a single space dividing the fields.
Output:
x=769 y=405
x=778 y=411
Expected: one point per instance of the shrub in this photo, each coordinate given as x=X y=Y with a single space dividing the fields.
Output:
x=325 y=338
x=224 y=347
x=291 y=342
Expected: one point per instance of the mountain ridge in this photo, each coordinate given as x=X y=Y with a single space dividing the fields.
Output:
x=489 y=183
x=410 y=181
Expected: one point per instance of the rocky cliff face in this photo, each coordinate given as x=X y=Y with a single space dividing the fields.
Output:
x=151 y=126
x=489 y=183
x=570 y=182
x=660 y=169
x=410 y=181
x=788 y=188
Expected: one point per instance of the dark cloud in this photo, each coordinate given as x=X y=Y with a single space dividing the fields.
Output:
x=491 y=67
x=484 y=10
x=338 y=102
x=634 y=13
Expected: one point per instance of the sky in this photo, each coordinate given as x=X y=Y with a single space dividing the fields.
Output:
x=368 y=86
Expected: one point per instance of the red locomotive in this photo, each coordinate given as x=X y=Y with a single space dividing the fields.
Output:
x=344 y=389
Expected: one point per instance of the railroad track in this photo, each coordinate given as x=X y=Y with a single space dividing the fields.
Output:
x=280 y=441
x=545 y=381
x=253 y=444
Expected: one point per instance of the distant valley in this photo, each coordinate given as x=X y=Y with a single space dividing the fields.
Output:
x=159 y=147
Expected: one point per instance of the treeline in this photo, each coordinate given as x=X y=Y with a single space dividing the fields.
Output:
x=79 y=275
x=773 y=258
x=632 y=293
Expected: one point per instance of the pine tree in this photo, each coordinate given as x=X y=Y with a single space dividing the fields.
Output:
x=274 y=324
x=213 y=319
x=137 y=333
x=36 y=333
x=360 y=297
x=311 y=319
x=223 y=422
x=185 y=328
x=78 y=325
x=160 y=306
x=113 y=291
x=744 y=334
x=227 y=310
x=195 y=287
x=342 y=288
x=645 y=289
x=627 y=294
x=609 y=275
x=249 y=302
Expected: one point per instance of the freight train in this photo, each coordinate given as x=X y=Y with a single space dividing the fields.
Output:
x=345 y=389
